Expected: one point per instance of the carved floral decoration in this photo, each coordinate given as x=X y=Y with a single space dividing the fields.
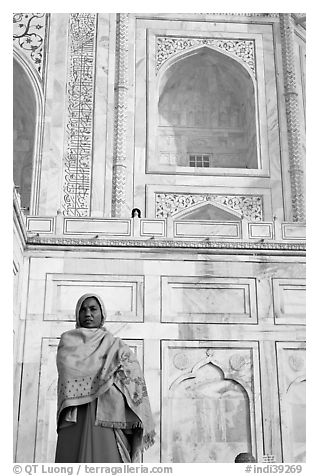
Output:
x=29 y=37
x=167 y=46
x=169 y=204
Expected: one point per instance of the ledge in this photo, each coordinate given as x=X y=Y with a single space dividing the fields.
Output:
x=231 y=247
x=102 y=229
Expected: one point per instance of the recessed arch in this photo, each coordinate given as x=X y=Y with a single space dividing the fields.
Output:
x=27 y=129
x=207 y=112
x=215 y=424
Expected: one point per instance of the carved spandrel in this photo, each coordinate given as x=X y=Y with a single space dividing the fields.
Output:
x=236 y=364
x=169 y=204
x=168 y=46
x=29 y=36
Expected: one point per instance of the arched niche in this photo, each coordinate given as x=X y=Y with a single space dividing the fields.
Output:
x=295 y=403
x=206 y=113
x=27 y=117
x=209 y=418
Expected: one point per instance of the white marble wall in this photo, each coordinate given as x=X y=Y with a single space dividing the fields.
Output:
x=54 y=119
x=192 y=300
x=142 y=177
x=146 y=91
x=177 y=307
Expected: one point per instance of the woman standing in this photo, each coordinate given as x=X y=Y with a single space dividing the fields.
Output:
x=104 y=415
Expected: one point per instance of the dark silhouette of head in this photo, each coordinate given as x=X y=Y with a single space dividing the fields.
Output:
x=245 y=458
x=136 y=212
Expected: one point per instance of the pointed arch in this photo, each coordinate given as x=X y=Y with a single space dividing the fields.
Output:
x=216 y=410
x=32 y=94
x=206 y=112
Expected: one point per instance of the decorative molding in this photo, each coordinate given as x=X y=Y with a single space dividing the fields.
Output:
x=178 y=244
x=29 y=36
x=19 y=219
x=120 y=117
x=169 y=204
x=168 y=46
x=79 y=129
x=293 y=118
x=272 y=15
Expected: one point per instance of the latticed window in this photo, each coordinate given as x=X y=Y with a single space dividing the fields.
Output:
x=199 y=160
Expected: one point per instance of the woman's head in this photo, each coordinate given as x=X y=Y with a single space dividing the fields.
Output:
x=90 y=312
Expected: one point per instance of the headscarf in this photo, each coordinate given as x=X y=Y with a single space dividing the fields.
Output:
x=92 y=363
x=79 y=305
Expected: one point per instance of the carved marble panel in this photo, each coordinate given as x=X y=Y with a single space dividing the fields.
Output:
x=40 y=224
x=168 y=46
x=199 y=299
x=170 y=204
x=80 y=109
x=292 y=397
x=293 y=231
x=261 y=230
x=152 y=227
x=47 y=403
x=76 y=226
x=211 y=405
x=289 y=300
x=190 y=229
x=122 y=295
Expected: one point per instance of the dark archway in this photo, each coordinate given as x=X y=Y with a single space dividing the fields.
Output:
x=24 y=131
x=207 y=113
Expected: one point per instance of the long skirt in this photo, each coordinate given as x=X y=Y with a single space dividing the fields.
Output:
x=83 y=442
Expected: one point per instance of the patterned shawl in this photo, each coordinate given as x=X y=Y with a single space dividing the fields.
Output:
x=93 y=363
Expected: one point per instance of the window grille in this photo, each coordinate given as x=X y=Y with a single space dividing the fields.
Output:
x=199 y=160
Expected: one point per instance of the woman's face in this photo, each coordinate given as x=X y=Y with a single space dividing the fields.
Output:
x=90 y=315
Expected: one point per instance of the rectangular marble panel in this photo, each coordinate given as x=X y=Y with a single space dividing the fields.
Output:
x=122 y=295
x=260 y=230
x=187 y=229
x=196 y=299
x=289 y=301
x=210 y=400
x=152 y=227
x=46 y=418
x=293 y=231
x=291 y=357
x=40 y=224
x=78 y=226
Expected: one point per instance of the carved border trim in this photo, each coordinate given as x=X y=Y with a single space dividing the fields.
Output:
x=120 y=117
x=80 y=105
x=274 y=15
x=168 y=46
x=205 y=244
x=29 y=36
x=292 y=114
